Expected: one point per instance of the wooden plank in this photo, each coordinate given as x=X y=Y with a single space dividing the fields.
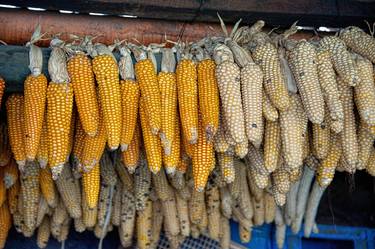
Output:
x=316 y=13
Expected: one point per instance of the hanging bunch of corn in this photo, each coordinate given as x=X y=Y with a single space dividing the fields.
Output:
x=106 y=73
x=59 y=109
x=35 y=89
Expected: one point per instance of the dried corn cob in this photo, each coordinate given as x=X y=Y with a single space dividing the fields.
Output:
x=364 y=91
x=59 y=109
x=5 y=224
x=107 y=170
x=225 y=233
x=89 y=215
x=326 y=169
x=104 y=207
x=328 y=84
x=64 y=231
x=42 y=155
x=312 y=207
x=125 y=177
x=203 y=225
x=43 y=210
x=342 y=61
x=83 y=82
x=196 y=206
x=144 y=225
x=365 y=142
x=349 y=134
x=226 y=202
x=171 y=221
x=91 y=186
x=157 y=223
x=12 y=196
x=254 y=159
x=213 y=212
x=69 y=192
x=269 y=207
x=10 y=174
x=44 y=232
x=31 y=193
x=35 y=89
x=256 y=192
x=225 y=162
x=161 y=186
x=171 y=161
x=5 y=151
x=269 y=111
x=272 y=145
x=321 y=138
x=47 y=187
x=280 y=180
x=261 y=180
x=362 y=43
x=142 y=182
x=116 y=203
x=228 y=78
x=15 y=115
x=245 y=201
x=148 y=84
x=107 y=76
x=235 y=187
x=220 y=143
x=127 y=224
x=130 y=157
x=183 y=215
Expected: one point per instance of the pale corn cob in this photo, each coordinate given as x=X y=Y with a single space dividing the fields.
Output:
x=127 y=224
x=59 y=214
x=349 y=139
x=162 y=188
x=157 y=223
x=5 y=224
x=287 y=71
x=31 y=193
x=260 y=179
x=235 y=187
x=245 y=201
x=187 y=92
x=365 y=142
x=342 y=60
x=226 y=202
x=89 y=215
x=11 y=174
x=291 y=203
x=12 y=196
x=254 y=159
x=328 y=84
x=91 y=186
x=225 y=233
x=171 y=161
x=291 y=144
x=240 y=218
x=241 y=149
x=228 y=79
x=225 y=162
x=5 y=151
x=280 y=232
x=2 y=88
x=107 y=170
x=116 y=205
x=295 y=174
x=303 y=63
x=16 y=133
x=266 y=56
x=69 y=192
x=280 y=199
x=362 y=43
x=321 y=138
x=255 y=191
x=272 y=145
x=104 y=205
x=312 y=207
x=18 y=212
x=269 y=207
x=63 y=236
x=43 y=210
x=42 y=155
x=148 y=84
x=183 y=215
x=203 y=225
x=59 y=109
x=364 y=91
x=106 y=72
x=44 y=232
x=125 y=177
x=195 y=233
x=144 y=226
x=259 y=212
x=280 y=180
x=244 y=233
x=152 y=143
x=220 y=143
x=177 y=180
x=269 y=111
x=142 y=183
x=168 y=93
x=213 y=212
x=196 y=206
x=48 y=188
x=79 y=226
x=171 y=221
x=208 y=94
x=303 y=124
x=130 y=157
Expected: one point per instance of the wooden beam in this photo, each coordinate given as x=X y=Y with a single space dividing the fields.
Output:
x=315 y=13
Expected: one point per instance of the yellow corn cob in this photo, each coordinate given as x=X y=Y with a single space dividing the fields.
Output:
x=321 y=139
x=12 y=196
x=170 y=161
x=128 y=218
x=151 y=142
x=93 y=147
x=5 y=224
x=225 y=162
x=15 y=114
x=269 y=111
x=266 y=56
x=161 y=186
x=228 y=79
x=182 y=165
x=196 y=206
x=44 y=232
x=83 y=82
x=30 y=189
x=107 y=77
x=326 y=169
x=91 y=186
x=142 y=183
x=365 y=142
x=362 y=43
x=2 y=88
x=71 y=135
x=328 y=83
x=208 y=97
x=130 y=157
x=69 y=190
x=342 y=60
x=272 y=145
x=79 y=140
x=144 y=225
x=187 y=90
x=47 y=187
x=364 y=92
x=5 y=151
x=349 y=139
x=148 y=84
x=203 y=159
x=303 y=63
x=35 y=88
x=89 y=215
x=42 y=155
x=10 y=174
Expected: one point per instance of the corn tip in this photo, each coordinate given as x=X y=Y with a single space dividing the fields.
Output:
x=124 y=147
x=170 y=170
x=131 y=168
x=112 y=148
x=42 y=163
x=56 y=171
x=154 y=170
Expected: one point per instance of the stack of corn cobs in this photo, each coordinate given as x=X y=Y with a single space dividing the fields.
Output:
x=235 y=127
